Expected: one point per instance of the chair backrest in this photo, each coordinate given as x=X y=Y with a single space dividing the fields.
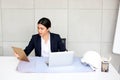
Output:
x=64 y=41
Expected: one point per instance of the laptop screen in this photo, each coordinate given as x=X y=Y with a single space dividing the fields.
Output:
x=61 y=58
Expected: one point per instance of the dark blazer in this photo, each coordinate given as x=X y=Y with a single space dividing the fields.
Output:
x=35 y=43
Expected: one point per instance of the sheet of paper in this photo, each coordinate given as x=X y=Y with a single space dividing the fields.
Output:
x=38 y=65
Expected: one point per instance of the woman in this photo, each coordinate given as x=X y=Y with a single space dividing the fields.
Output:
x=44 y=42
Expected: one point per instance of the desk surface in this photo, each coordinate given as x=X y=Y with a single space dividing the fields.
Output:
x=38 y=65
x=8 y=72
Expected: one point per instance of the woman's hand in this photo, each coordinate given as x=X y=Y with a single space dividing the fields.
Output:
x=16 y=55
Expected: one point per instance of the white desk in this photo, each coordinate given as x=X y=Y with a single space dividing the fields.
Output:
x=38 y=65
x=8 y=72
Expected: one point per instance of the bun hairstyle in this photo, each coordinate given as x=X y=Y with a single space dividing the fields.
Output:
x=45 y=21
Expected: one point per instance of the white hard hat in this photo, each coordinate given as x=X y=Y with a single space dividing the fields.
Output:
x=92 y=58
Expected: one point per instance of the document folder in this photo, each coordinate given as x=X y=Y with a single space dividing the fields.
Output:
x=21 y=53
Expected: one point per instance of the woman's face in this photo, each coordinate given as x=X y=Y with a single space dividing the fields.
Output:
x=42 y=30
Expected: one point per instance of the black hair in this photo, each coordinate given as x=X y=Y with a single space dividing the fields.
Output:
x=45 y=21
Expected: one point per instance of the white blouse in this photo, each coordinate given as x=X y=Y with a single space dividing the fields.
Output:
x=45 y=49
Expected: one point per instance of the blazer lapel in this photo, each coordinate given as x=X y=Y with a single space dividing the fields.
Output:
x=51 y=42
x=39 y=44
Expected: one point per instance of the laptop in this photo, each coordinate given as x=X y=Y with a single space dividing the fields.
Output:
x=61 y=58
x=21 y=53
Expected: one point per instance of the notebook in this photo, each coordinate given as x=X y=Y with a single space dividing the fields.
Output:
x=21 y=53
x=60 y=58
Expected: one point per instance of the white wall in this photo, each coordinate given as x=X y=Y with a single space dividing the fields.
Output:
x=87 y=24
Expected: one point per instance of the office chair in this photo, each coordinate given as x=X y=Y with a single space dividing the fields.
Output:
x=64 y=41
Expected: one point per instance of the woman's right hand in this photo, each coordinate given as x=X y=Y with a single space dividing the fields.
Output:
x=16 y=55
